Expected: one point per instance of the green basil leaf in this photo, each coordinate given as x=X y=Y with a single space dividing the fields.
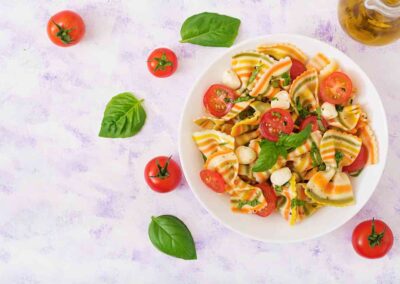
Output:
x=267 y=157
x=171 y=236
x=124 y=116
x=210 y=29
x=293 y=141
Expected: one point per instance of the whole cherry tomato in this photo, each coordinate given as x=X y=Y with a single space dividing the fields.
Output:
x=65 y=28
x=162 y=174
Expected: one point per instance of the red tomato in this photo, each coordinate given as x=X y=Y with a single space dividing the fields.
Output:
x=213 y=180
x=65 y=28
x=218 y=99
x=274 y=122
x=359 y=162
x=162 y=62
x=270 y=197
x=372 y=239
x=162 y=174
x=296 y=69
x=313 y=119
x=336 y=88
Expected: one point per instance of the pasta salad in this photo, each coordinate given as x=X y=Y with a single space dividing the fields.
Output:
x=283 y=133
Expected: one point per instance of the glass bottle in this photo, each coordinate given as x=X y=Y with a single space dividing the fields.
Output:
x=372 y=22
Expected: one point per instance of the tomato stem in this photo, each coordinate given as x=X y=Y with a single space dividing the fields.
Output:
x=162 y=171
x=162 y=62
x=374 y=239
x=63 y=34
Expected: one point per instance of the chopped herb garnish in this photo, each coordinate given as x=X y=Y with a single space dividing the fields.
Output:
x=242 y=99
x=296 y=202
x=286 y=79
x=316 y=157
x=319 y=120
x=251 y=203
x=254 y=74
x=338 y=157
x=204 y=157
x=228 y=100
x=303 y=113
x=278 y=188
x=275 y=83
x=246 y=113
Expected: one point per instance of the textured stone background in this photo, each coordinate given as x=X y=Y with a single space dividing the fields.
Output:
x=74 y=208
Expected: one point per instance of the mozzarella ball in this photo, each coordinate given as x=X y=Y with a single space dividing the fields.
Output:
x=245 y=155
x=231 y=80
x=328 y=111
x=281 y=176
x=281 y=100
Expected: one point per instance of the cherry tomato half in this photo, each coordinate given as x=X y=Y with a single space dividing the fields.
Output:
x=65 y=28
x=274 y=122
x=162 y=174
x=372 y=238
x=218 y=99
x=313 y=120
x=213 y=180
x=270 y=197
x=162 y=62
x=359 y=162
x=296 y=69
x=336 y=88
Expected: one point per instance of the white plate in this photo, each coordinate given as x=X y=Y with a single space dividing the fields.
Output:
x=275 y=228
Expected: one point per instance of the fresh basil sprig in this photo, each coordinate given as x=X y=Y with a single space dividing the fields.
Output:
x=210 y=29
x=171 y=236
x=270 y=151
x=124 y=116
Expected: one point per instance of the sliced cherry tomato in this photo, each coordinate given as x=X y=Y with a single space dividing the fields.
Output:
x=65 y=28
x=274 y=122
x=372 y=239
x=313 y=120
x=359 y=162
x=162 y=62
x=162 y=174
x=270 y=197
x=296 y=69
x=336 y=88
x=213 y=180
x=218 y=99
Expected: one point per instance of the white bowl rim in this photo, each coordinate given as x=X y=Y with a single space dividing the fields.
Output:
x=270 y=37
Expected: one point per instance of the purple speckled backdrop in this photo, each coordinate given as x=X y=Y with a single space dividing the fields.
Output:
x=74 y=208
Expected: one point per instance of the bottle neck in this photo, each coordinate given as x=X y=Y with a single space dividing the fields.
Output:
x=388 y=8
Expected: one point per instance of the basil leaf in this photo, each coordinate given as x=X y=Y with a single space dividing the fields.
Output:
x=210 y=29
x=293 y=141
x=267 y=157
x=123 y=117
x=171 y=236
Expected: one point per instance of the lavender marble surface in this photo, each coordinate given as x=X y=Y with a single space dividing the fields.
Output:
x=74 y=208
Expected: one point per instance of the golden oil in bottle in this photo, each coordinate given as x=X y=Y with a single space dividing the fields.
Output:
x=372 y=22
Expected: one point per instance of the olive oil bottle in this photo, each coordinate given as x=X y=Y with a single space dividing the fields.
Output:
x=372 y=22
